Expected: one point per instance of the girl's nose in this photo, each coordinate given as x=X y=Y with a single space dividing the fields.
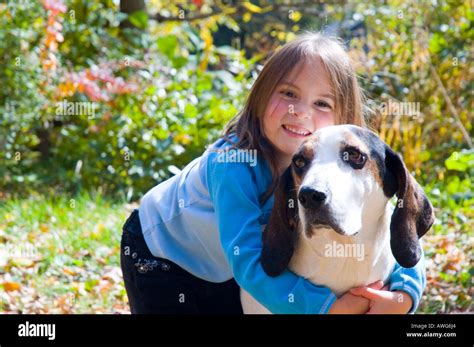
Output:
x=300 y=110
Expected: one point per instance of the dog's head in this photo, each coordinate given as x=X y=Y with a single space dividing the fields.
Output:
x=342 y=179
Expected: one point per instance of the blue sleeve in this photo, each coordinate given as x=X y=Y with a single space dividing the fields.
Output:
x=410 y=280
x=234 y=194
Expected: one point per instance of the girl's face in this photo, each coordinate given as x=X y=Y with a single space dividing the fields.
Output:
x=300 y=105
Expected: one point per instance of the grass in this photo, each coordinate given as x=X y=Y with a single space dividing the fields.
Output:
x=61 y=255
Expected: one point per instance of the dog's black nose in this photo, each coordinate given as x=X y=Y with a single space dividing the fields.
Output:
x=311 y=198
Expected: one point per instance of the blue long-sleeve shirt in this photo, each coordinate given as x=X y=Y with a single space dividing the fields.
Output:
x=208 y=220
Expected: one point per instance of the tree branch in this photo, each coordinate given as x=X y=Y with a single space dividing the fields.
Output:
x=304 y=6
x=447 y=99
x=451 y=107
x=160 y=18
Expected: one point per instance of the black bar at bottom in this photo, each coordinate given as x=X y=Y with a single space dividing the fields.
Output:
x=294 y=329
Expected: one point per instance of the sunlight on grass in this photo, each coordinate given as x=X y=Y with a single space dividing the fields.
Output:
x=61 y=255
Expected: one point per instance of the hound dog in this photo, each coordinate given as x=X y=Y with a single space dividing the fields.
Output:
x=335 y=195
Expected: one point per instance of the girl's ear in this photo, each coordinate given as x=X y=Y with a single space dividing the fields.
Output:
x=413 y=215
x=279 y=237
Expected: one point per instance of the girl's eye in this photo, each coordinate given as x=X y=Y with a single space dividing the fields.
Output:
x=288 y=93
x=299 y=162
x=323 y=104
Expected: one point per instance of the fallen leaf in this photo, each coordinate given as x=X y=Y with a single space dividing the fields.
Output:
x=11 y=286
x=69 y=271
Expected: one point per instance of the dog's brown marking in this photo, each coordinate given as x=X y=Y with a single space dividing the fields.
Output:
x=307 y=151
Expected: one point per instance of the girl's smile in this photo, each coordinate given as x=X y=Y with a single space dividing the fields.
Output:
x=296 y=130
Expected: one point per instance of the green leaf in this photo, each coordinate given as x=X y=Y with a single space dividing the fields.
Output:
x=437 y=42
x=453 y=185
x=139 y=19
x=167 y=45
x=179 y=62
x=460 y=161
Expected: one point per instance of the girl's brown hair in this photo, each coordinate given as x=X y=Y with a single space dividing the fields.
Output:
x=248 y=124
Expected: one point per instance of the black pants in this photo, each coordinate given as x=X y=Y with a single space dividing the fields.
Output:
x=156 y=285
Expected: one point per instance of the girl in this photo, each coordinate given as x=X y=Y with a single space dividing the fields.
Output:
x=197 y=236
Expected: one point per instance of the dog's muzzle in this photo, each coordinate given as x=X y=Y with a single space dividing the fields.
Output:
x=316 y=210
x=311 y=198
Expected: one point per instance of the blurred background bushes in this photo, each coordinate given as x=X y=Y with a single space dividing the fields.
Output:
x=159 y=94
x=164 y=79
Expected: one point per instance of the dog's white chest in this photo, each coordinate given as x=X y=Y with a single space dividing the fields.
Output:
x=340 y=263
x=336 y=262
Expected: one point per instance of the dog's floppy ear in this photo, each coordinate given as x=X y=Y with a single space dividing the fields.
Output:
x=413 y=215
x=279 y=237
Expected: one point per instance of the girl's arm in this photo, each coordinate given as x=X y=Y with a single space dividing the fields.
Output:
x=401 y=295
x=411 y=281
x=233 y=190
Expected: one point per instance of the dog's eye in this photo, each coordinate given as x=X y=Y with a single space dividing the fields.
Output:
x=355 y=158
x=299 y=162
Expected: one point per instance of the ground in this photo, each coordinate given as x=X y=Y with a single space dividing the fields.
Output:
x=62 y=256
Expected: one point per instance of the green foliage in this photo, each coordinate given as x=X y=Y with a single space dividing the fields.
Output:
x=463 y=162
x=20 y=79
x=408 y=47
x=454 y=195
x=136 y=138
x=448 y=247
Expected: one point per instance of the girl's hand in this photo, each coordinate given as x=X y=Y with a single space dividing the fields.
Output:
x=383 y=301
x=353 y=304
